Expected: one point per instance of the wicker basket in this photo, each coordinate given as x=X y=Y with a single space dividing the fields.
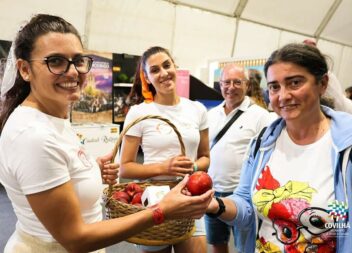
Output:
x=169 y=232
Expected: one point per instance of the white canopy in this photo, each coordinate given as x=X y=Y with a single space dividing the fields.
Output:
x=199 y=31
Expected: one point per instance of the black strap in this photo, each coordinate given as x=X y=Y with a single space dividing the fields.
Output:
x=225 y=128
x=260 y=222
x=258 y=141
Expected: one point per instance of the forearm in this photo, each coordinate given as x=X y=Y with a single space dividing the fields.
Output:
x=102 y=234
x=58 y=209
x=230 y=211
x=202 y=163
x=141 y=171
x=203 y=152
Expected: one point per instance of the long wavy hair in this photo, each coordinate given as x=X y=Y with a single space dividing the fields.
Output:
x=254 y=91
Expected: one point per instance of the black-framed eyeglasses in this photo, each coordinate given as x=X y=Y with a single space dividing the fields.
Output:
x=311 y=219
x=59 y=65
x=233 y=82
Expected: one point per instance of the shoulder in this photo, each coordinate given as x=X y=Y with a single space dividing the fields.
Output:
x=340 y=127
x=138 y=110
x=193 y=104
x=29 y=122
x=254 y=108
x=138 y=107
x=341 y=119
x=39 y=137
x=259 y=113
x=215 y=110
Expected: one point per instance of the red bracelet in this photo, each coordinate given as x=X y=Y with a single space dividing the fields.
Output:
x=158 y=215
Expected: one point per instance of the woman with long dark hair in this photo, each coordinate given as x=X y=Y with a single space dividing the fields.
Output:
x=54 y=186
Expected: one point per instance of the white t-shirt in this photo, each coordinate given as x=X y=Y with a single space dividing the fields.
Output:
x=335 y=91
x=226 y=157
x=159 y=141
x=39 y=152
x=294 y=187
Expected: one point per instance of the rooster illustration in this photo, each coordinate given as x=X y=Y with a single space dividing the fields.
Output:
x=297 y=225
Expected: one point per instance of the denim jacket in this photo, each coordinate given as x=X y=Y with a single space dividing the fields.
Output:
x=245 y=222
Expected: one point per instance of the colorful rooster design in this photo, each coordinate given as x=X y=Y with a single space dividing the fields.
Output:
x=300 y=227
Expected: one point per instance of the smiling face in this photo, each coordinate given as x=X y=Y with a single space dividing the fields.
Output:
x=294 y=92
x=161 y=73
x=233 y=85
x=53 y=93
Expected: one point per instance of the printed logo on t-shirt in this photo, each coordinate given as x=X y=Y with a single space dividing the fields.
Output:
x=338 y=210
x=164 y=128
x=83 y=158
x=82 y=139
x=296 y=226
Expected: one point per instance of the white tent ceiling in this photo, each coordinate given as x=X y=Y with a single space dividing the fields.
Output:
x=327 y=19
x=199 y=32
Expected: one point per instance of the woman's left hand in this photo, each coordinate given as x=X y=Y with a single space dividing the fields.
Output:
x=109 y=170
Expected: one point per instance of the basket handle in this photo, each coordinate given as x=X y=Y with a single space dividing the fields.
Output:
x=136 y=121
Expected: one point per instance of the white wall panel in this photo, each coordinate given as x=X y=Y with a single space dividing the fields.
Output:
x=299 y=15
x=15 y=13
x=255 y=41
x=195 y=37
x=339 y=27
x=200 y=36
x=288 y=37
x=130 y=26
x=227 y=6
x=344 y=73
x=334 y=53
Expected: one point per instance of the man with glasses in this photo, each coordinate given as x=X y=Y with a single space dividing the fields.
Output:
x=228 y=152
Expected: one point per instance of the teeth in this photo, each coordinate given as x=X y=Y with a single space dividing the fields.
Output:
x=288 y=106
x=68 y=85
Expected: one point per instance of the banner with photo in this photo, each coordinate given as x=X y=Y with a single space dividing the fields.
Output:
x=95 y=104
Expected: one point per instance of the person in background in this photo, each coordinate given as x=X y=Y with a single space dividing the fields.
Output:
x=301 y=168
x=348 y=92
x=154 y=89
x=54 y=186
x=334 y=90
x=254 y=91
x=228 y=153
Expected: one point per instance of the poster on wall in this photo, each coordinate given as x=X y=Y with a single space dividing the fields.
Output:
x=95 y=104
x=120 y=105
x=182 y=82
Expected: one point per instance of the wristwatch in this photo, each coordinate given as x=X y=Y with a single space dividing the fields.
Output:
x=222 y=209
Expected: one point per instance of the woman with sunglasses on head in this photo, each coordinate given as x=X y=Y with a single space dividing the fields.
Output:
x=55 y=188
x=295 y=191
x=154 y=92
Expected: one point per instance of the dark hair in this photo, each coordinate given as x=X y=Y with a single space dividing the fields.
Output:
x=348 y=90
x=24 y=43
x=135 y=96
x=254 y=90
x=306 y=56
